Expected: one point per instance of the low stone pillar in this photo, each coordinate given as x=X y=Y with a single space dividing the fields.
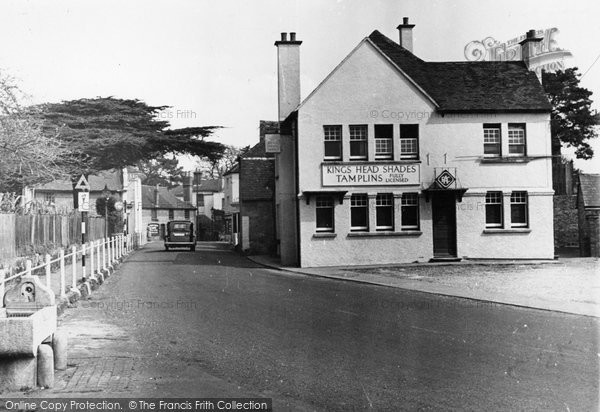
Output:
x=45 y=366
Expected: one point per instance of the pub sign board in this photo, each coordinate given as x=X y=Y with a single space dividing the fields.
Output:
x=370 y=174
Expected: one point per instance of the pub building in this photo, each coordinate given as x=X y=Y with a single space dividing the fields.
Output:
x=392 y=159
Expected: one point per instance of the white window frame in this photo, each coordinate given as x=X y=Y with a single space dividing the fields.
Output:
x=384 y=142
x=492 y=134
x=329 y=136
x=322 y=202
x=384 y=200
x=409 y=200
x=519 y=198
x=494 y=199
x=359 y=200
x=517 y=137
x=357 y=135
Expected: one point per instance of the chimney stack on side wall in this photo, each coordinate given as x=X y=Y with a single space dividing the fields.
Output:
x=406 y=34
x=529 y=47
x=288 y=74
x=187 y=186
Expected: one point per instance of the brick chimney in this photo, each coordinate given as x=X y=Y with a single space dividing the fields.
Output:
x=187 y=187
x=288 y=74
x=156 y=197
x=406 y=35
x=529 y=47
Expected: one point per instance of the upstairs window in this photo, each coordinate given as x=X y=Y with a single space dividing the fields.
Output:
x=410 y=211
x=358 y=142
x=333 y=142
x=516 y=139
x=325 y=216
x=518 y=209
x=384 y=138
x=359 y=212
x=409 y=141
x=200 y=200
x=385 y=211
x=493 y=209
x=154 y=215
x=186 y=214
x=492 y=142
x=171 y=214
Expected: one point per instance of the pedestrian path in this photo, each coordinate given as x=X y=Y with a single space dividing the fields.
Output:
x=566 y=285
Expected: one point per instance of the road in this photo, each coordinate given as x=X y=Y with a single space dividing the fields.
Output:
x=211 y=323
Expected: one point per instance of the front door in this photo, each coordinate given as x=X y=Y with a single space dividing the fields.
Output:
x=444 y=225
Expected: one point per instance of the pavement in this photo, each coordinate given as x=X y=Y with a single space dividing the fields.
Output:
x=570 y=285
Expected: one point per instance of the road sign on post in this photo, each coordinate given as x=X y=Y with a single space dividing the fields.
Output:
x=83 y=204
x=84 y=201
x=82 y=184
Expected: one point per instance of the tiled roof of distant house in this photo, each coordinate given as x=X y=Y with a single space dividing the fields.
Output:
x=110 y=178
x=590 y=189
x=234 y=169
x=166 y=199
x=209 y=185
x=485 y=86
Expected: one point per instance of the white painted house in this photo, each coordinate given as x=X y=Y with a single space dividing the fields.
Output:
x=393 y=159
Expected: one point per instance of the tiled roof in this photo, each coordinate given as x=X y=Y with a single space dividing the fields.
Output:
x=470 y=86
x=234 y=169
x=209 y=185
x=166 y=199
x=110 y=178
x=590 y=189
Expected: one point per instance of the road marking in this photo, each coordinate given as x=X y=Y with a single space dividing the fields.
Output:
x=428 y=330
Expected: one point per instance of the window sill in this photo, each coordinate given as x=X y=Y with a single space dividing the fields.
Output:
x=507 y=231
x=385 y=233
x=324 y=235
x=506 y=159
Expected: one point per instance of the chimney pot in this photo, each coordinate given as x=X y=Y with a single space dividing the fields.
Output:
x=405 y=20
x=283 y=36
x=292 y=36
x=531 y=34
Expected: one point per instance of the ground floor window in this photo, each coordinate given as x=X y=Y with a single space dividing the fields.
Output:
x=410 y=211
x=359 y=212
x=384 y=211
x=325 y=215
x=154 y=215
x=186 y=214
x=493 y=209
x=518 y=209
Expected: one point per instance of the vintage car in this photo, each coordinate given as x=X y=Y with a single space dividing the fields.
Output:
x=180 y=233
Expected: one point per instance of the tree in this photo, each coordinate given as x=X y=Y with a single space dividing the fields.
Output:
x=114 y=218
x=217 y=167
x=28 y=154
x=109 y=133
x=572 y=120
x=163 y=171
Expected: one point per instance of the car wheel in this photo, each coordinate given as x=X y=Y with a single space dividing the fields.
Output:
x=193 y=248
x=167 y=248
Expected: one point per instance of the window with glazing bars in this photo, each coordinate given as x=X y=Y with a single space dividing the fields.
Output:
x=358 y=142
x=384 y=142
x=409 y=141
x=324 y=207
x=492 y=141
x=359 y=212
x=410 y=211
x=333 y=142
x=493 y=209
x=516 y=140
x=384 y=203
x=518 y=209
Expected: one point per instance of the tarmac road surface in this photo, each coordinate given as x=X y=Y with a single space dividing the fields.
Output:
x=212 y=323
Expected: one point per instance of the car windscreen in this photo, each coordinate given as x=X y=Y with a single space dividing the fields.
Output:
x=180 y=226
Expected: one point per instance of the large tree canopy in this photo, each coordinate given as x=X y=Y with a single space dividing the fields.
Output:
x=573 y=123
x=107 y=133
x=161 y=171
x=29 y=155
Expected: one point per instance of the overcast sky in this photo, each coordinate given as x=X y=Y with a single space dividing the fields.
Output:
x=215 y=62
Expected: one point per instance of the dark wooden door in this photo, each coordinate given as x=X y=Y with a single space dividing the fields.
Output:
x=444 y=225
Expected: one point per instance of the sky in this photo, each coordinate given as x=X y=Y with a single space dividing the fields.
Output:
x=214 y=62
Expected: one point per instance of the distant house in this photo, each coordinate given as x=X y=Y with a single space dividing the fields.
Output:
x=257 y=186
x=588 y=205
x=159 y=206
x=124 y=184
x=231 y=203
x=205 y=194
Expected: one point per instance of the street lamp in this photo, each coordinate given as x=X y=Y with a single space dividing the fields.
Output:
x=106 y=196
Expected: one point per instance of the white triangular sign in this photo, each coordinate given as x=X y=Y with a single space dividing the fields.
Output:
x=82 y=184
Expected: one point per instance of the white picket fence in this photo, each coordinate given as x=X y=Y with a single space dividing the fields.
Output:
x=100 y=255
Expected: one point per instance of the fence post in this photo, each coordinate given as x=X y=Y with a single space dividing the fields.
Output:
x=104 y=253
x=2 y=277
x=48 y=267
x=74 y=269
x=83 y=245
x=98 y=254
x=62 y=272
x=92 y=268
